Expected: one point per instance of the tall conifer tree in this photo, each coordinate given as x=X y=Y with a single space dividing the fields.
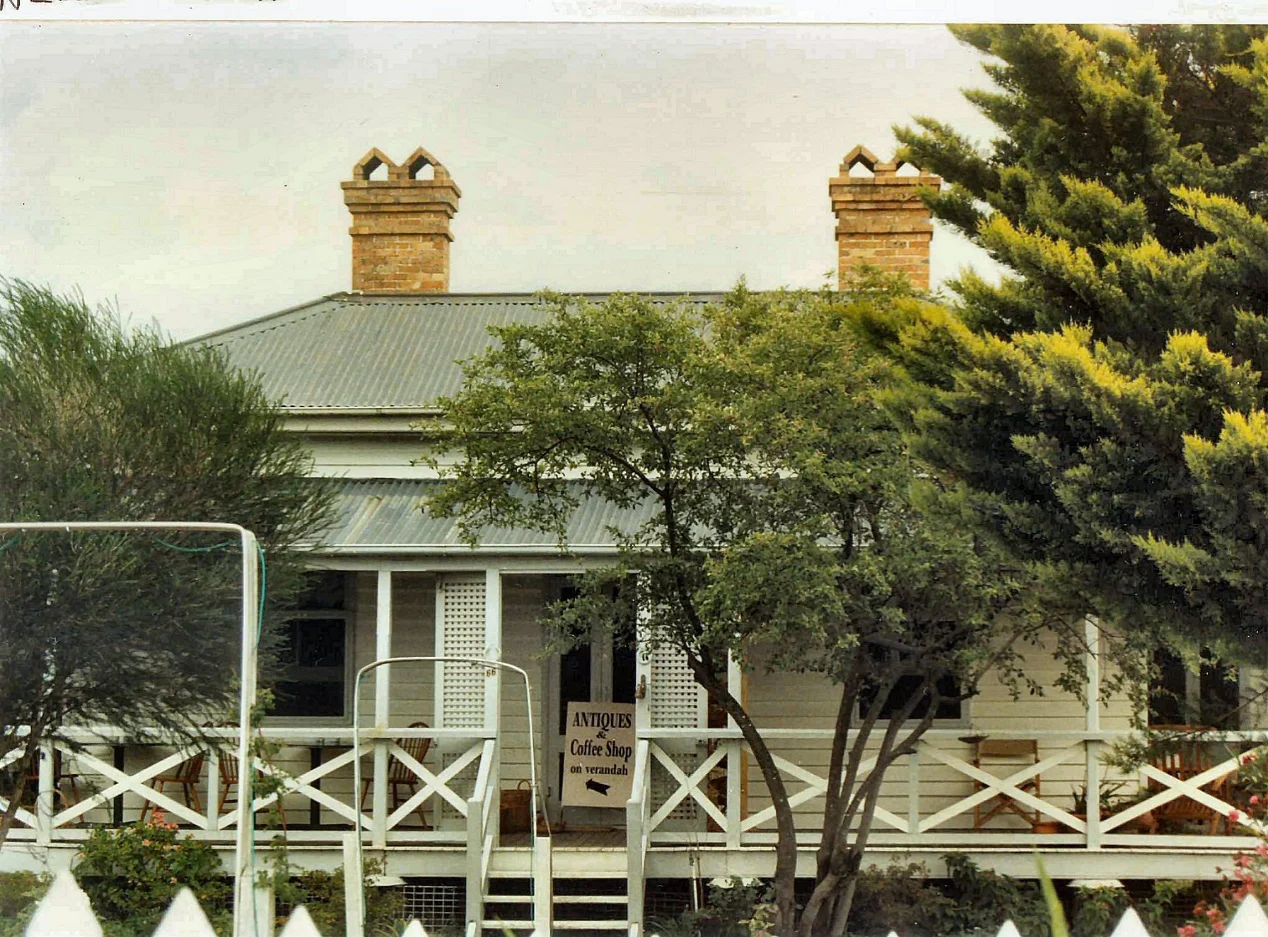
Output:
x=1105 y=398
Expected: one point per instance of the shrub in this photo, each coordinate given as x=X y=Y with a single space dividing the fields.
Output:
x=1097 y=910
x=736 y=908
x=1249 y=875
x=982 y=900
x=322 y=894
x=131 y=874
x=19 y=893
x=899 y=898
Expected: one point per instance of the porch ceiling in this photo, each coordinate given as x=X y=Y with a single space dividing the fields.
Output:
x=374 y=515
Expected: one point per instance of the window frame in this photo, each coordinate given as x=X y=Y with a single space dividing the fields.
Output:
x=349 y=616
x=963 y=721
x=1190 y=699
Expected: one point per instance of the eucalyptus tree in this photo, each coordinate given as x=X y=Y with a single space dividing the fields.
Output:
x=783 y=523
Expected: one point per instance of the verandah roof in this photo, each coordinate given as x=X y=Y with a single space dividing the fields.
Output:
x=379 y=514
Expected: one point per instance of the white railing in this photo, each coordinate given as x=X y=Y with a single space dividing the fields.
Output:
x=938 y=796
x=102 y=777
x=638 y=828
x=482 y=816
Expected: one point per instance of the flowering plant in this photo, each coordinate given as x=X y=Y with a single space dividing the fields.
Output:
x=1249 y=874
x=132 y=873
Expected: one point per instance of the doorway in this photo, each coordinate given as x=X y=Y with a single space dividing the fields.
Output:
x=599 y=671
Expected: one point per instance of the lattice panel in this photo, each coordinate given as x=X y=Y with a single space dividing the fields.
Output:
x=462 y=634
x=664 y=784
x=675 y=700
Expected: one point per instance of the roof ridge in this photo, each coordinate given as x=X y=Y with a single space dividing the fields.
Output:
x=264 y=318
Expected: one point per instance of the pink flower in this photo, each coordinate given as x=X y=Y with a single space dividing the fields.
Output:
x=1234 y=816
x=1254 y=798
x=1188 y=930
x=1249 y=758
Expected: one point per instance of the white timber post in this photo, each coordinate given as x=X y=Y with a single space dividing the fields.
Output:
x=213 y=789
x=1092 y=664
x=635 y=812
x=353 y=887
x=734 y=757
x=913 y=791
x=382 y=703
x=265 y=908
x=543 y=886
x=46 y=793
x=493 y=687
x=475 y=863
x=642 y=678
x=244 y=843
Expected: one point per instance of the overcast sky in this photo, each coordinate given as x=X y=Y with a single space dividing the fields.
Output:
x=191 y=171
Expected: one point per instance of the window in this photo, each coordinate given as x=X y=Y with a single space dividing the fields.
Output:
x=313 y=658
x=1210 y=696
x=951 y=709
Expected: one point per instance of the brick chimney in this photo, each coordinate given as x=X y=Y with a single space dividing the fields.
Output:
x=880 y=218
x=400 y=225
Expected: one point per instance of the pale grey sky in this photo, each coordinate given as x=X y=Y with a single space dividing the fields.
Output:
x=191 y=170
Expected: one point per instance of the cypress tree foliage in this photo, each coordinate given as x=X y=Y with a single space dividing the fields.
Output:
x=131 y=629
x=1105 y=399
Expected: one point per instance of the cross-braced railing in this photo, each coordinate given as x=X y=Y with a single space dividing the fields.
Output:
x=99 y=777
x=942 y=795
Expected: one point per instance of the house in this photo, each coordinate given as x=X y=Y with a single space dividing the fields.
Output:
x=355 y=373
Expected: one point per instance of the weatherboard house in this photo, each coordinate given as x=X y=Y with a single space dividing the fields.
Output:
x=448 y=750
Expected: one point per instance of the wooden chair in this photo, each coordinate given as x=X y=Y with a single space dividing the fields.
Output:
x=400 y=775
x=1185 y=762
x=33 y=780
x=1011 y=755
x=229 y=774
x=187 y=774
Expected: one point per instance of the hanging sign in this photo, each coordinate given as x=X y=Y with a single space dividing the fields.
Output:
x=599 y=755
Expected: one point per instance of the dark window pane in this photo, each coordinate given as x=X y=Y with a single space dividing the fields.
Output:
x=902 y=692
x=313 y=652
x=317 y=642
x=1219 y=694
x=1167 y=694
x=323 y=592
x=624 y=661
x=574 y=681
x=309 y=699
x=1215 y=684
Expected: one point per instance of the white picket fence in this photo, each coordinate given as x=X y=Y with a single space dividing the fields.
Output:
x=65 y=912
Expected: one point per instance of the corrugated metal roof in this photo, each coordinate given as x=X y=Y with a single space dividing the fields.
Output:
x=387 y=513
x=354 y=350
